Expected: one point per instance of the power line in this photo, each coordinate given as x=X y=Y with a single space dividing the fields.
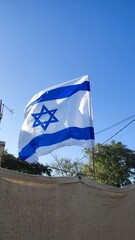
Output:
x=2 y=106
x=119 y=131
x=10 y=110
x=115 y=124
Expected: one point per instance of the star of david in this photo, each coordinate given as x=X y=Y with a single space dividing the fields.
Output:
x=44 y=118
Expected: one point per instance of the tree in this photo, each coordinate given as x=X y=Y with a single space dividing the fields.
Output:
x=66 y=167
x=11 y=162
x=114 y=164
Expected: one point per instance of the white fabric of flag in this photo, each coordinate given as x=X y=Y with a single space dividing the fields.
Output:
x=56 y=117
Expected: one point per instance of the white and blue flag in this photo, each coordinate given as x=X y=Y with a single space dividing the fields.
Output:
x=56 y=117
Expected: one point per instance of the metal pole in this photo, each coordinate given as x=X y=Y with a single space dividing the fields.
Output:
x=1 y=110
x=91 y=124
x=93 y=161
x=2 y=146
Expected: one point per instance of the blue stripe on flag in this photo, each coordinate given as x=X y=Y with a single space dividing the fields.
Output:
x=63 y=92
x=54 y=138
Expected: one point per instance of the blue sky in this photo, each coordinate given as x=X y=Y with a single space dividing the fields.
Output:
x=47 y=42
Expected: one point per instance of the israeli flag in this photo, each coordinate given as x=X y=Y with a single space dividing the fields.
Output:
x=56 y=117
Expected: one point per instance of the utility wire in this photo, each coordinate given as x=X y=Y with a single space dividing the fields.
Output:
x=119 y=131
x=114 y=125
x=8 y=108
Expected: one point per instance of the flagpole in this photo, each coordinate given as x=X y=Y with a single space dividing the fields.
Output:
x=93 y=161
x=91 y=123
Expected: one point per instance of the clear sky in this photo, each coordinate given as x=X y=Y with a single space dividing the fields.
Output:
x=47 y=42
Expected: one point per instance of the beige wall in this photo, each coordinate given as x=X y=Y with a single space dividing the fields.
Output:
x=43 y=208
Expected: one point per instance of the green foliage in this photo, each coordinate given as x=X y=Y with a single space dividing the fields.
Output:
x=66 y=167
x=114 y=164
x=11 y=162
